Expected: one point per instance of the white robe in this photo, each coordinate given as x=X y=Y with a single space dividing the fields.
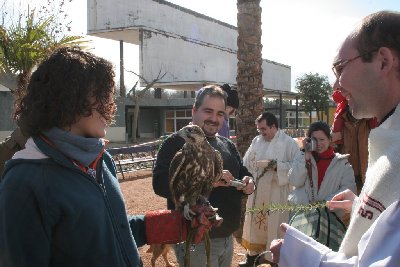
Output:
x=380 y=190
x=259 y=228
x=379 y=246
x=382 y=181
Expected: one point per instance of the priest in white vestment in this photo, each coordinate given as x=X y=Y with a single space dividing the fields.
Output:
x=269 y=160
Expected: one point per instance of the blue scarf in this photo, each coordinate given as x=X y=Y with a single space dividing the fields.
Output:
x=82 y=149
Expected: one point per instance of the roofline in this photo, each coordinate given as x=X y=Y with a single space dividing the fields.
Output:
x=196 y=14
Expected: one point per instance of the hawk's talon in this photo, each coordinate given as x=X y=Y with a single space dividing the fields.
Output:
x=212 y=217
x=187 y=212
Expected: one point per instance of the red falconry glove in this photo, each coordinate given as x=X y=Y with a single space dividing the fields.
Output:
x=206 y=217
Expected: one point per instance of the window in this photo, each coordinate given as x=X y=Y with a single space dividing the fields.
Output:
x=157 y=93
x=304 y=119
x=176 y=119
x=180 y=113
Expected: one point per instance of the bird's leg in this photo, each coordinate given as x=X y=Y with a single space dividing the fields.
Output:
x=187 y=212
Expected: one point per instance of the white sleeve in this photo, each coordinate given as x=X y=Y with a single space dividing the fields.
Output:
x=297 y=175
x=283 y=166
x=246 y=158
x=379 y=246
x=299 y=250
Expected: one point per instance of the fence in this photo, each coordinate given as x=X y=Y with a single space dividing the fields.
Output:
x=133 y=158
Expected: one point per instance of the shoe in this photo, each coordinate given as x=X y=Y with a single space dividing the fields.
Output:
x=249 y=261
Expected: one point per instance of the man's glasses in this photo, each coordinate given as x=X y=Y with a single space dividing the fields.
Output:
x=339 y=65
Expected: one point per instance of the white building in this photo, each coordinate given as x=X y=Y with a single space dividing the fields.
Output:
x=193 y=48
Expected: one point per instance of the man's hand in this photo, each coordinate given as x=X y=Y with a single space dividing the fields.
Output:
x=249 y=187
x=276 y=244
x=226 y=178
x=343 y=200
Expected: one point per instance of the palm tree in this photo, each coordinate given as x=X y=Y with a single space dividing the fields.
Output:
x=248 y=79
x=249 y=74
x=24 y=45
x=2 y=33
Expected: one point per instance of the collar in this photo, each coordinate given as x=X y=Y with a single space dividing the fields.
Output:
x=326 y=155
x=78 y=148
x=387 y=116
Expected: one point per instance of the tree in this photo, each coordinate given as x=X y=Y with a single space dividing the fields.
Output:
x=249 y=80
x=249 y=73
x=2 y=58
x=314 y=92
x=137 y=96
x=27 y=40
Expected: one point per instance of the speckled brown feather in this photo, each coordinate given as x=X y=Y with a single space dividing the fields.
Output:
x=195 y=167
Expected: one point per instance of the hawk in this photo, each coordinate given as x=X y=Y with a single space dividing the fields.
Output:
x=193 y=170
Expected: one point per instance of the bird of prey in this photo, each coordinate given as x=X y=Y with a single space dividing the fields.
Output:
x=193 y=170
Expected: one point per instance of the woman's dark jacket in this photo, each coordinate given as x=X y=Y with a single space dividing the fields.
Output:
x=54 y=214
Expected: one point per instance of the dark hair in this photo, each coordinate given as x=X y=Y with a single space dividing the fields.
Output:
x=377 y=30
x=65 y=87
x=319 y=126
x=211 y=90
x=233 y=99
x=269 y=118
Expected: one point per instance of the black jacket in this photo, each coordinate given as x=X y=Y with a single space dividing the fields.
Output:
x=226 y=199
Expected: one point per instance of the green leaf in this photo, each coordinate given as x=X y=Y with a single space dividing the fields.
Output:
x=281 y=207
x=25 y=44
x=314 y=92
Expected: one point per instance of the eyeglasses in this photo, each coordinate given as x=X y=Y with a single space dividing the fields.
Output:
x=339 y=65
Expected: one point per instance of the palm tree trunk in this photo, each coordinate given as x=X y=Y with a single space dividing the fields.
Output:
x=249 y=75
x=249 y=81
x=20 y=91
x=22 y=82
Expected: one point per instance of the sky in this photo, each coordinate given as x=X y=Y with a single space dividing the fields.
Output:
x=303 y=34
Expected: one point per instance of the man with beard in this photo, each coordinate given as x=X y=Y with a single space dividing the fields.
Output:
x=269 y=160
x=208 y=112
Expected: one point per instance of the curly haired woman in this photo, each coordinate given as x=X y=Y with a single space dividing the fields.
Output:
x=60 y=202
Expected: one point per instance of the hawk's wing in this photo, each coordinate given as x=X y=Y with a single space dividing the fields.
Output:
x=174 y=169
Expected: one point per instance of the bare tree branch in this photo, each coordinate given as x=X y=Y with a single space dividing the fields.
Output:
x=150 y=84
x=137 y=96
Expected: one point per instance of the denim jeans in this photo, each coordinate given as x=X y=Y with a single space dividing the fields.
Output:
x=221 y=253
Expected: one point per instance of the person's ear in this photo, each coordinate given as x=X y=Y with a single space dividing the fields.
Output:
x=387 y=58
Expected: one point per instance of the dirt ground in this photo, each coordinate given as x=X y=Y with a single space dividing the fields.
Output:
x=140 y=197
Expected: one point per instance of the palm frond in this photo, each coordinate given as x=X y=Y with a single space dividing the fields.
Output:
x=27 y=43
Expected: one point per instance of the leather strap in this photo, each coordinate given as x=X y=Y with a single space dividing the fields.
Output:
x=309 y=171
